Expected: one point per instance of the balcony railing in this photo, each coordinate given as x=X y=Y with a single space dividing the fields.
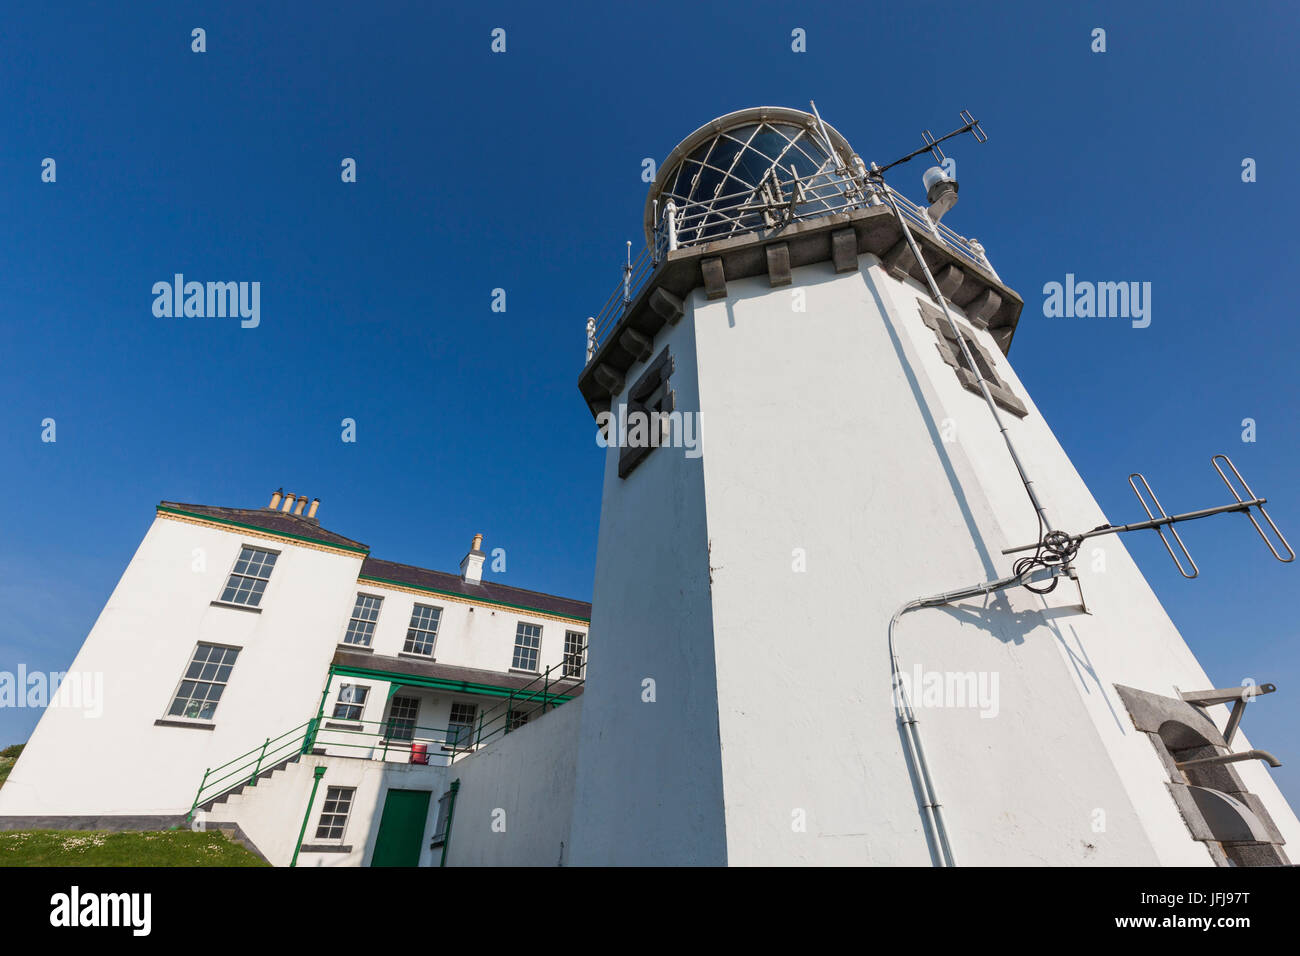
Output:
x=396 y=739
x=440 y=746
x=548 y=690
x=800 y=199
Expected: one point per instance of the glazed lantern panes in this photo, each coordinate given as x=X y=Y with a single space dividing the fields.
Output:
x=718 y=188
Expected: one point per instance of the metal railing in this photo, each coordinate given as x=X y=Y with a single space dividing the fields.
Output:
x=635 y=275
x=386 y=739
x=244 y=769
x=800 y=198
x=548 y=690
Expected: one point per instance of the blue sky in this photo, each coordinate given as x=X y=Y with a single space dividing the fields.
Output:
x=521 y=171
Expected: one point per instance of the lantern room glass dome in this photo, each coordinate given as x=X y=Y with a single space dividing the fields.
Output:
x=723 y=177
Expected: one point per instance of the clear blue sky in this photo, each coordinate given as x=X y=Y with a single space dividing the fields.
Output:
x=522 y=171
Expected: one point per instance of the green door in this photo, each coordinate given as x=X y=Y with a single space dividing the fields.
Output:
x=401 y=828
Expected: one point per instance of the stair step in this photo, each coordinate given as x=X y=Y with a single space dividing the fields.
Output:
x=233 y=795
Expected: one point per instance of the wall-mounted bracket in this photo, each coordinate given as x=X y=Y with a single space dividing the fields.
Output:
x=1073 y=575
x=1263 y=755
x=1238 y=696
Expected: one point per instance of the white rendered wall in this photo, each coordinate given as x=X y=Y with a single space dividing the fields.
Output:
x=824 y=444
x=820 y=439
x=1128 y=639
x=142 y=642
x=469 y=635
x=120 y=762
x=516 y=796
x=649 y=787
x=271 y=814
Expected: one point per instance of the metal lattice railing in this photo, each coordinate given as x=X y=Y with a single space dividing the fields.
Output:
x=748 y=211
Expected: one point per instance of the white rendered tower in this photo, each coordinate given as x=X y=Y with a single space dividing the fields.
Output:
x=740 y=705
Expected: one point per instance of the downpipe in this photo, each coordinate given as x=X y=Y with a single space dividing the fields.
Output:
x=931 y=804
x=933 y=808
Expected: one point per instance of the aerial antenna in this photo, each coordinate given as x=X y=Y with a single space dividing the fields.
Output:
x=1055 y=541
x=969 y=125
x=1159 y=519
x=1055 y=549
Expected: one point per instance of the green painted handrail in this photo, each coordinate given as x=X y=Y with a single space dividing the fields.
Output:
x=246 y=768
x=318 y=773
x=215 y=783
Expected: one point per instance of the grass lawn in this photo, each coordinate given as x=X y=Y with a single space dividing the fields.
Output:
x=102 y=848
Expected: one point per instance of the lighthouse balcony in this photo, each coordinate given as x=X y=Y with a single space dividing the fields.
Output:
x=658 y=283
x=764 y=191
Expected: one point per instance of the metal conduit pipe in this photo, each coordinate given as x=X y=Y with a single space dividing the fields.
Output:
x=970 y=360
x=911 y=731
x=915 y=752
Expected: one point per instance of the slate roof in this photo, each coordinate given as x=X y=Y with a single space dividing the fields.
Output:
x=487 y=591
x=268 y=520
x=309 y=528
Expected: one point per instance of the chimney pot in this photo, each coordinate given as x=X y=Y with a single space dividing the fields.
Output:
x=288 y=503
x=275 y=499
x=471 y=566
x=302 y=503
x=311 y=512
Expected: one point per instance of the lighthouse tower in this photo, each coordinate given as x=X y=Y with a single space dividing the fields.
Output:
x=816 y=446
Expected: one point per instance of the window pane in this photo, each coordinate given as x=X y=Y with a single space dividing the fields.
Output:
x=204 y=681
x=247 y=579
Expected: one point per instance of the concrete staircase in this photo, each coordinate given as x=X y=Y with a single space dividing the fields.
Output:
x=235 y=795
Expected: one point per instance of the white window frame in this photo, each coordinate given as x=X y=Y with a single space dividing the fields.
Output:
x=431 y=635
x=198 y=679
x=468 y=743
x=535 y=651
x=389 y=718
x=346 y=814
x=233 y=600
x=575 y=651
x=360 y=705
x=372 y=622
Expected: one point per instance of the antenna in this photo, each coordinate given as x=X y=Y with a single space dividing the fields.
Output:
x=1057 y=542
x=1056 y=549
x=627 y=276
x=969 y=124
x=1158 y=518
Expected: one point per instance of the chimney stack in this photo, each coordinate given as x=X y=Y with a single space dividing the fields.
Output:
x=302 y=503
x=311 y=512
x=288 y=503
x=471 y=566
x=275 y=498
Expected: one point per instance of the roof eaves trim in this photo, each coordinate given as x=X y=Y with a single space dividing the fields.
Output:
x=266 y=532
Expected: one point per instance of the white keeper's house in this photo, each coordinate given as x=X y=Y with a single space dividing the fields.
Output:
x=852 y=531
x=240 y=640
